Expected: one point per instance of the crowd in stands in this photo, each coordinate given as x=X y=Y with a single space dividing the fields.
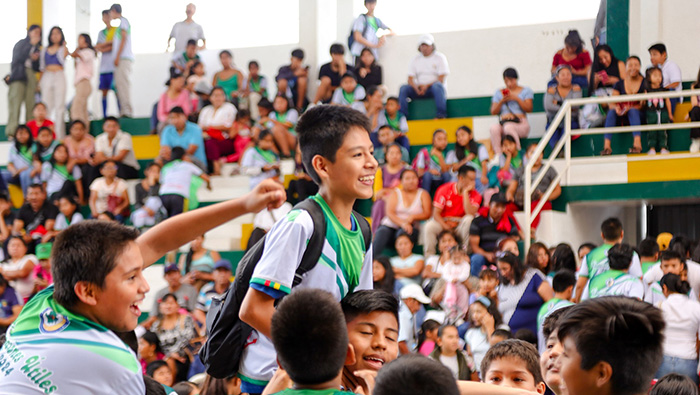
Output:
x=450 y=280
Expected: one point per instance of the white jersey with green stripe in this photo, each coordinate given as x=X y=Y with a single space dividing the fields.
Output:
x=614 y=283
x=345 y=266
x=596 y=262
x=50 y=350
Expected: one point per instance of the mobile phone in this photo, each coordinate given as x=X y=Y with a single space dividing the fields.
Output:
x=505 y=92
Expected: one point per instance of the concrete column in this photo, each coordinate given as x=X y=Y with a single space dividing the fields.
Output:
x=34 y=12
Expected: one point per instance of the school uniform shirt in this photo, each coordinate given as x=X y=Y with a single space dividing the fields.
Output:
x=345 y=266
x=682 y=317
x=596 y=262
x=654 y=274
x=291 y=116
x=206 y=294
x=62 y=222
x=348 y=98
x=176 y=178
x=425 y=161
x=654 y=294
x=21 y=158
x=368 y=27
x=252 y=162
x=548 y=308
x=672 y=74
x=104 y=191
x=191 y=135
x=107 y=58
x=257 y=86
x=127 y=52
x=483 y=155
x=121 y=142
x=45 y=154
x=398 y=123
x=427 y=69
x=613 y=283
x=69 y=353
x=56 y=176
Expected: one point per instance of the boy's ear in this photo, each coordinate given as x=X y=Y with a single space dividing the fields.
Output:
x=540 y=387
x=320 y=165
x=86 y=292
x=603 y=372
x=350 y=357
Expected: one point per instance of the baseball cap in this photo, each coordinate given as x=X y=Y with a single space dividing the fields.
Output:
x=414 y=291
x=43 y=250
x=663 y=240
x=426 y=39
x=223 y=264
x=171 y=267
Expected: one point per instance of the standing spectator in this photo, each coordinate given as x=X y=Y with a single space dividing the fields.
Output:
x=176 y=182
x=10 y=305
x=561 y=90
x=105 y=39
x=426 y=77
x=176 y=95
x=576 y=57
x=116 y=145
x=109 y=193
x=183 y=62
x=364 y=33
x=487 y=229
x=671 y=71
x=292 y=80
x=123 y=60
x=81 y=147
x=40 y=120
x=36 y=218
x=84 y=59
x=256 y=88
x=185 y=31
x=17 y=269
x=182 y=133
x=368 y=72
x=330 y=74
x=632 y=84
x=53 y=80
x=230 y=78
x=216 y=120
x=511 y=104
x=22 y=79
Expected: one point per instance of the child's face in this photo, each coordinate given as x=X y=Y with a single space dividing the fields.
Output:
x=512 y=372
x=61 y=154
x=386 y=136
x=577 y=380
x=509 y=147
x=198 y=69
x=45 y=263
x=446 y=242
x=77 y=131
x=391 y=107
x=191 y=51
x=393 y=155
x=404 y=246
x=348 y=84
x=463 y=138
x=163 y=375
x=253 y=70
x=583 y=252
x=374 y=337
x=66 y=208
x=264 y=111
x=22 y=135
x=550 y=364
x=266 y=143
x=487 y=284
x=378 y=271
x=672 y=266
x=351 y=176
x=656 y=57
x=45 y=137
x=280 y=104
x=449 y=341
x=478 y=312
x=39 y=112
x=109 y=170
x=656 y=77
x=440 y=141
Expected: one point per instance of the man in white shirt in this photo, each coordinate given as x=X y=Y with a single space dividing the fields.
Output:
x=671 y=72
x=116 y=145
x=426 y=77
x=412 y=299
x=123 y=60
x=185 y=31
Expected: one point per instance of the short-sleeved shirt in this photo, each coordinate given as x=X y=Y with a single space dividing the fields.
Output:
x=122 y=141
x=65 y=347
x=368 y=32
x=580 y=62
x=614 y=283
x=191 y=135
x=224 y=115
x=186 y=297
x=34 y=127
x=451 y=202
x=345 y=266
x=206 y=294
x=398 y=123
x=127 y=52
x=327 y=71
x=55 y=177
x=176 y=178
x=257 y=86
x=32 y=220
x=185 y=31
x=107 y=60
x=427 y=69
x=252 y=162
x=62 y=222
x=103 y=191
x=8 y=300
x=520 y=303
x=512 y=107
x=486 y=229
x=548 y=308
x=596 y=262
x=408 y=327
x=542 y=187
x=291 y=116
x=672 y=73
x=344 y=98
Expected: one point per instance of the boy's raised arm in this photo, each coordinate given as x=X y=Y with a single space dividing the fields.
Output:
x=176 y=231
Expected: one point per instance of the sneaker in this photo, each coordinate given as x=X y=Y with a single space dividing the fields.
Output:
x=695 y=145
x=652 y=152
x=665 y=151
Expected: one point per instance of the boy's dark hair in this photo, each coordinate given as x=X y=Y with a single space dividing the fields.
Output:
x=441 y=330
x=674 y=384
x=116 y=7
x=70 y=125
x=349 y=74
x=86 y=251
x=624 y=332
x=46 y=128
x=648 y=247
x=298 y=53
x=322 y=131
x=514 y=348
x=177 y=153
x=177 y=110
x=185 y=388
x=369 y=301
x=550 y=323
x=505 y=333
x=4 y=196
x=191 y=42
x=464 y=169
x=265 y=103
x=669 y=255
x=658 y=47
x=370 y=1
x=510 y=72
x=611 y=229
x=384 y=127
x=681 y=244
x=253 y=63
x=105 y=12
x=36 y=186
x=526 y=335
x=337 y=49
x=393 y=98
x=674 y=284
x=310 y=336
x=563 y=279
x=634 y=57
x=264 y=133
x=110 y=119
x=620 y=256
x=415 y=374
x=153 y=366
x=153 y=387
x=509 y=138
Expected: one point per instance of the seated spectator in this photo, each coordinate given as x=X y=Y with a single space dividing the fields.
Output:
x=671 y=72
x=57 y=180
x=330 y=75
x=175 y=96
x=198 y=263
x=149 y=349
x=42 y=272
x=185 y=294
x=575 y=56
x=407 y=266
x=183 y=61
x=20 y=168
x=348 y=92
x=455 y=273
x=148 y=208
x=412 y=301
x=694 y=116
x=509 y=161
x=109 y=193
x=447 y=241
x=161 y=373
x=383 y=274
x=256 y=88
x=392 y=117
x=616 y=280
x=10 y=305
x=426 y=76
x=386 y=180
x=265 y=108
x=430 y=163
x=242 y=135
x=303 y=186
x=261 y=162
x=406 y=206
x=284 y=120
x=488 y=284
x=516 y=190
x=511 y=104
x=292 y=80
x=81 y=147
x=538 y=258
x=222 y=280
x=451 y=210
x=17 y=269
x=368 y=72
x=606 y=71
x=115 y=145
x=562 y=90
x=469 y=152
x=176 y=179
x=7 y=218
x=372 y=106
x=44 y=145
x=230 y=79
x=449 y=353
x=485 y=231
x=196 y=84
x=658 y=111
x=36 y=219
x=484 y=319
x=386 y=139
x=39 y=120
x=632 y=84
x=365 y=33
x=175 y=330
x=69 y=213
x=215 y=120
x=185 y=134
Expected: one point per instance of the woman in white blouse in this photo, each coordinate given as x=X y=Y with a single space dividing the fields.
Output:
x=682 y=317
x=216 y=120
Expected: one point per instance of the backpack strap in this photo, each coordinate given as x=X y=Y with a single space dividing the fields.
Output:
x=365 y=228
x=313 y=250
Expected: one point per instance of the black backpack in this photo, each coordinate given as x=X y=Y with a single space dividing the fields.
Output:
x=351 y=37
x=227 y=334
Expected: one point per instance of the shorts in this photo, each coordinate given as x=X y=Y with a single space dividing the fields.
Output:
x=106 y=80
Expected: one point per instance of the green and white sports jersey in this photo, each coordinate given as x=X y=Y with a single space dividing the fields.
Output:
x=655 y=294
x=344 y=267
x=547 y=309
x=50 y=350
x=614 y=283
x=596 y=262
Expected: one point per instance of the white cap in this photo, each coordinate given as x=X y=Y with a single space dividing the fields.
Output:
x=414 y=291
x=426 y=39
x=437 y=315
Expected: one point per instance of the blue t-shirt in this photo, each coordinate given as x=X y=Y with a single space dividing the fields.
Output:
x=8 y=300
x=512 y=106
x=191 y=135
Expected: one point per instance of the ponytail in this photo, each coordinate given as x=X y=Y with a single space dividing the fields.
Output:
x=674 y=284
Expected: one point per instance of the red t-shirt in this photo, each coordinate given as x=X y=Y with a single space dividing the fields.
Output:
x=34 y=127
x=450 y=201
x=580 y=62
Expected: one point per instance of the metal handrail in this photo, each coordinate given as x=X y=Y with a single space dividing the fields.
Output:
x=564 y=114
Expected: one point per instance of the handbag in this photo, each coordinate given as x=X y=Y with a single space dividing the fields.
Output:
x=114 y=200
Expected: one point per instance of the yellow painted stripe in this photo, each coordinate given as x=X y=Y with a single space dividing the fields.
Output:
x=34 y=12
x=421 y=132
x=664 y=170
x=246 y=230
x=146 y=147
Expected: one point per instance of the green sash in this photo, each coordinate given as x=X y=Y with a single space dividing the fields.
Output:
x=268 y=156
x=26 y=153
x=349 y=97
x=63 y=171
x=393 y=123
x=373 y=22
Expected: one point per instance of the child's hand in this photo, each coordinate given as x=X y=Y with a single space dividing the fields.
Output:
x=268 y=194
x=368 y=376
x=280 y=381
